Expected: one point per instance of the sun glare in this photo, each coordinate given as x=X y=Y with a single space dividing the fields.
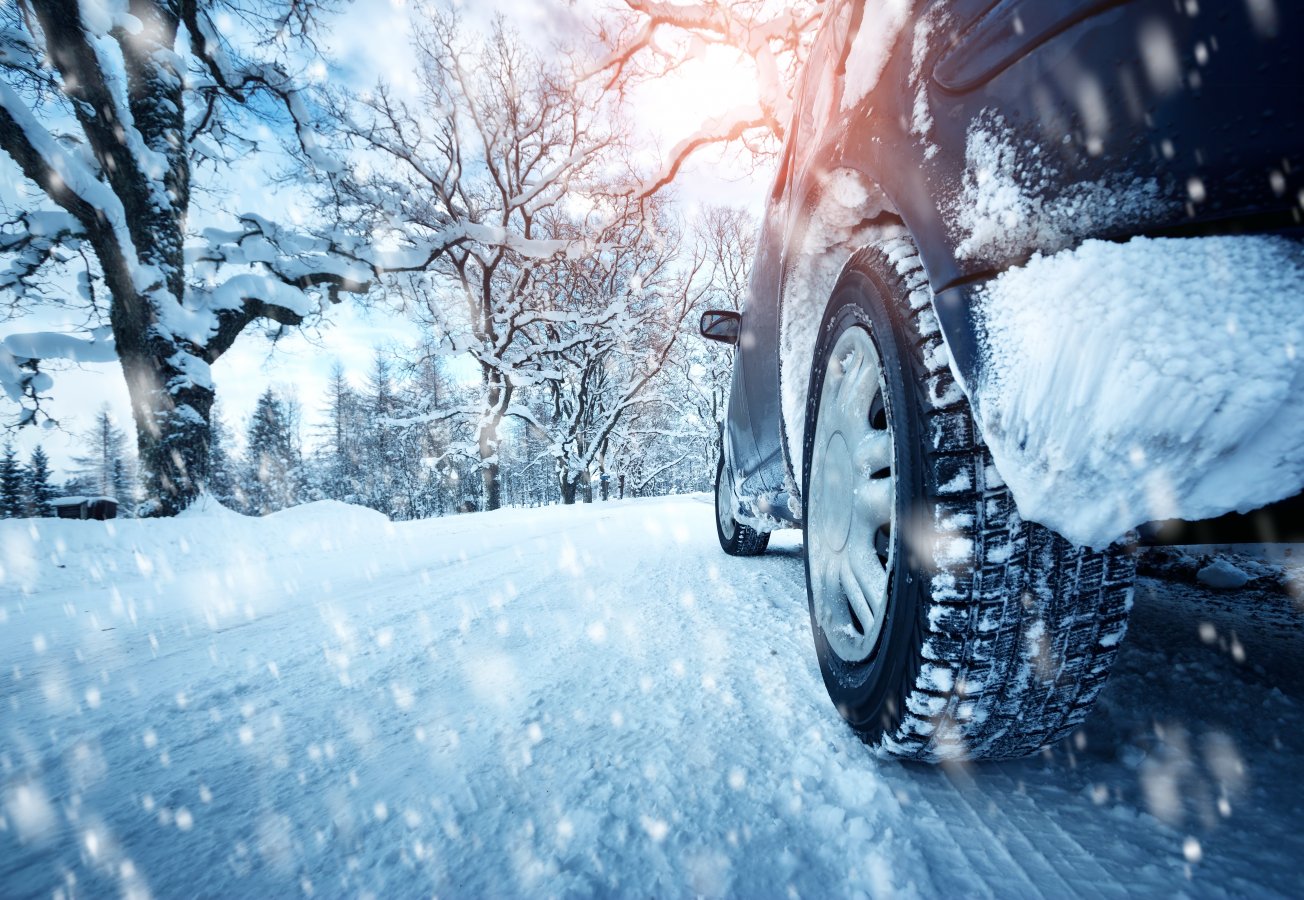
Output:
x=714 y=83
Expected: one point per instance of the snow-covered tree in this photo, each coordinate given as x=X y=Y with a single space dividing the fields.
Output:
x=11 y=485
x=102 y=467
x=223 y=469
x=529 y=466
x=666 y=438
x=654 y=453
x=124 y=488
x=427 y=446
x=767 y=38
x=704 y=370
x=339 y=456
x=380 y=460
x=39 y=492
x=463 y=184
x=113 y=112
x=616 y=320
x=273 y=473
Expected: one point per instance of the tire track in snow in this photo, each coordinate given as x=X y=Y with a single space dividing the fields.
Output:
x=593 y=730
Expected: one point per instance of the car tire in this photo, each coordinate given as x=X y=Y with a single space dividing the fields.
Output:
x=991 y=636
x=736 y=539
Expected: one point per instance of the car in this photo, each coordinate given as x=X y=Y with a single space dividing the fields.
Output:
x=934 y=147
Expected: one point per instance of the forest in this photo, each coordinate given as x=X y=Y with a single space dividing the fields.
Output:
x=503 y=200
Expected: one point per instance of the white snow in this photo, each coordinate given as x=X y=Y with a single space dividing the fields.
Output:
x=18 y=349
x=1001 y=211
x=68 y=169
x=54 y=345
x=1222 y=574
x=1124 y=383
x=101 y=16
x=573 y=701
x=880 y=23
x=834 y=231
x=921 y=116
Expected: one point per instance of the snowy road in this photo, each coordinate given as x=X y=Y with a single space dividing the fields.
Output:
x=578 y=701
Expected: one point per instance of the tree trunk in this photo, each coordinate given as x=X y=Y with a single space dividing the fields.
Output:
x=568 y=486
x=497 y=398
x=172 y=432
x=172 y=425
x=490 y=488
x=588 y=486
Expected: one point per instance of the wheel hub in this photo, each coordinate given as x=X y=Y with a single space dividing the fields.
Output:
x=852 y=509
x=837 y=481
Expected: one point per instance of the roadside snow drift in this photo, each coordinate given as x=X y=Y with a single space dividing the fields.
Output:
x=1161 y=378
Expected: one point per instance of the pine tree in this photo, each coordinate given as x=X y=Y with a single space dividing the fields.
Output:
x=380 y=453
x=39 y=490
x=222 y=468
x=342 y=440
x=11 y=485
x=103 y=469
x=124 y=488
x=273 y=473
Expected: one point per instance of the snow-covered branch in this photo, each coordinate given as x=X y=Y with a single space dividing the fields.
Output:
x=105 y=107
x=723 y=129
x=21 y=378
x=475 y=204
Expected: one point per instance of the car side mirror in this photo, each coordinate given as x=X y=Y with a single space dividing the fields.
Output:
x=721 y=325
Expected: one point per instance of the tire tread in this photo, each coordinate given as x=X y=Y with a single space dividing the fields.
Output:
x=1022 y=624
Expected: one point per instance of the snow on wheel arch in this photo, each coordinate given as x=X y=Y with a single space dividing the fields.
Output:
x=1160 y=378
x=845 y=215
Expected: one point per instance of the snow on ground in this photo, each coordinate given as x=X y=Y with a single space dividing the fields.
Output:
x=582 y=701
x=1156 y=379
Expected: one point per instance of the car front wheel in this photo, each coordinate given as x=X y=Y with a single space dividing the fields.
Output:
x=945 y=625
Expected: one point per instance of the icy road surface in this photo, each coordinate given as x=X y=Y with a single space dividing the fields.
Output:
x=578 y=701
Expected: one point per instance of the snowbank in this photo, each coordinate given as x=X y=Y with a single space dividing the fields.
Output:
x=208 y=506
x=185 y=557
x=1161 y=378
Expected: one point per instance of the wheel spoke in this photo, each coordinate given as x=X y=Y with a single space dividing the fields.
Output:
x=873 y=453
x=871 y=578
x=873 y=504
x=853 y=373
x=856 y=595
x=828 y=589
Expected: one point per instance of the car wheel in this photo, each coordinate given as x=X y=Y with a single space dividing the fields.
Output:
x=945 y=625
x=736 y=539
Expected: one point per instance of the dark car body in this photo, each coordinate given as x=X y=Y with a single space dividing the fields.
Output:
x=1194 y=108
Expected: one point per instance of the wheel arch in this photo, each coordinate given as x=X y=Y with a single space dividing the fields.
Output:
x=824 y=234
